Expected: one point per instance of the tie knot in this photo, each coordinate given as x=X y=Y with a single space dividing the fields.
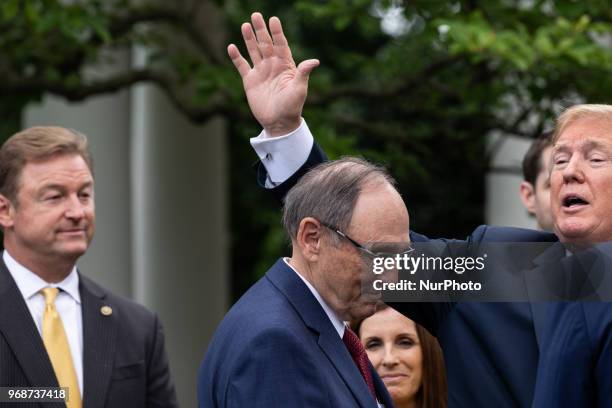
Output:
x=50 y=294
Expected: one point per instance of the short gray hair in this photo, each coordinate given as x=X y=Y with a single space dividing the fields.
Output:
x=329 y=192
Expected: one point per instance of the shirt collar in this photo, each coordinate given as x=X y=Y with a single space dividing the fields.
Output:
x=333 y=317
x=30 y=284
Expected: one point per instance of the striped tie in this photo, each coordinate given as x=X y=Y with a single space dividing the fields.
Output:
x=353 y=344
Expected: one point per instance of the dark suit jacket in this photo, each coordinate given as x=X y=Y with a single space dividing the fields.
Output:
x=124 y=361
x=276 y=347
x=575 y=367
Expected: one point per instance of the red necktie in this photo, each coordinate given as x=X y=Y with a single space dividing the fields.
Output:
x=353 y=344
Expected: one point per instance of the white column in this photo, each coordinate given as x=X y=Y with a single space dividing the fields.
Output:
x=179 y=212
x=503 y=203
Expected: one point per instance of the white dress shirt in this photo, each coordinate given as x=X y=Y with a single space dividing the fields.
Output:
x=284 y=155
x=333 y=317
x=67 y=303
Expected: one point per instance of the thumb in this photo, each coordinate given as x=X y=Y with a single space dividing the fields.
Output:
x=305 y=68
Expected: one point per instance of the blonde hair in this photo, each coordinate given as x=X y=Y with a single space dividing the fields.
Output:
x=570 y=115
x=36 y=144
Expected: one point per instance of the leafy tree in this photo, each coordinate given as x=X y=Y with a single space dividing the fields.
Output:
x=47 y=47
x=417 y=86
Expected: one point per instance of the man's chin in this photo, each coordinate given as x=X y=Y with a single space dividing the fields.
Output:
x=72 y=250
x=573 y=231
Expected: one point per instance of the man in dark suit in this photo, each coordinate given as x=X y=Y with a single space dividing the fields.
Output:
x=57 y=327
x=491 y=349
x=575 y=367
x=285 y=343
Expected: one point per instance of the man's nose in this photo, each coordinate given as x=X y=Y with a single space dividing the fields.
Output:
x=573 y=172
x=75 y=209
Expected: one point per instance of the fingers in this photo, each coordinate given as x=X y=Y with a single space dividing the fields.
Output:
x=251 y=43
x=240 y=63
x=276 y=29
x=281 y=47
x=305 y=68
x=260 y=42
x=263 y=36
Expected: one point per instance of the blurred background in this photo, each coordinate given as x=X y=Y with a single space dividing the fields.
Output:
x=447 y=94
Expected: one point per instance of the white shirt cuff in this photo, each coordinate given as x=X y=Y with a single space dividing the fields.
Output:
x=282 y=156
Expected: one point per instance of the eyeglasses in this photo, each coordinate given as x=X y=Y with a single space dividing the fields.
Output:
x=369 y=252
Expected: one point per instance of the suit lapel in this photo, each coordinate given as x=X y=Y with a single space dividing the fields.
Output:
x=381 y=389
x=538 y=307
x=540 y=283
x=336 y=352
x=22 y=336
x=99 y=342
x=314 y=317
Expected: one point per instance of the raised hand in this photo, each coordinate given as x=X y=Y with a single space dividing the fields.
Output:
x=275 y=88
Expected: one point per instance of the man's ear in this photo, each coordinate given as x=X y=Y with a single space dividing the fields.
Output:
x=309 y=238
x=527 y=193
x=6 y=212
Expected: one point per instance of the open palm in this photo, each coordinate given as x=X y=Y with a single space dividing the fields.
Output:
x=276 y=89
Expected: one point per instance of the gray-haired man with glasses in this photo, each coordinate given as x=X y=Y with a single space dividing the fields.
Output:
x=284 y=343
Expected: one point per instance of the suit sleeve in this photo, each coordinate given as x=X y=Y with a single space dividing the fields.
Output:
x=160 y=388
x=316 y=156
x=275 y=370
x=431 y=315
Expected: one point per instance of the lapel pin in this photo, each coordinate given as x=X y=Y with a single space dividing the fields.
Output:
x=106 y=310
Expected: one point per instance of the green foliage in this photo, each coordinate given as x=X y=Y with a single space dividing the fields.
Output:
x=419 y=92
x=48 y=33
x=563 y=40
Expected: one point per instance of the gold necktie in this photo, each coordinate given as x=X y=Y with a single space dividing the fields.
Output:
x=58 y=349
